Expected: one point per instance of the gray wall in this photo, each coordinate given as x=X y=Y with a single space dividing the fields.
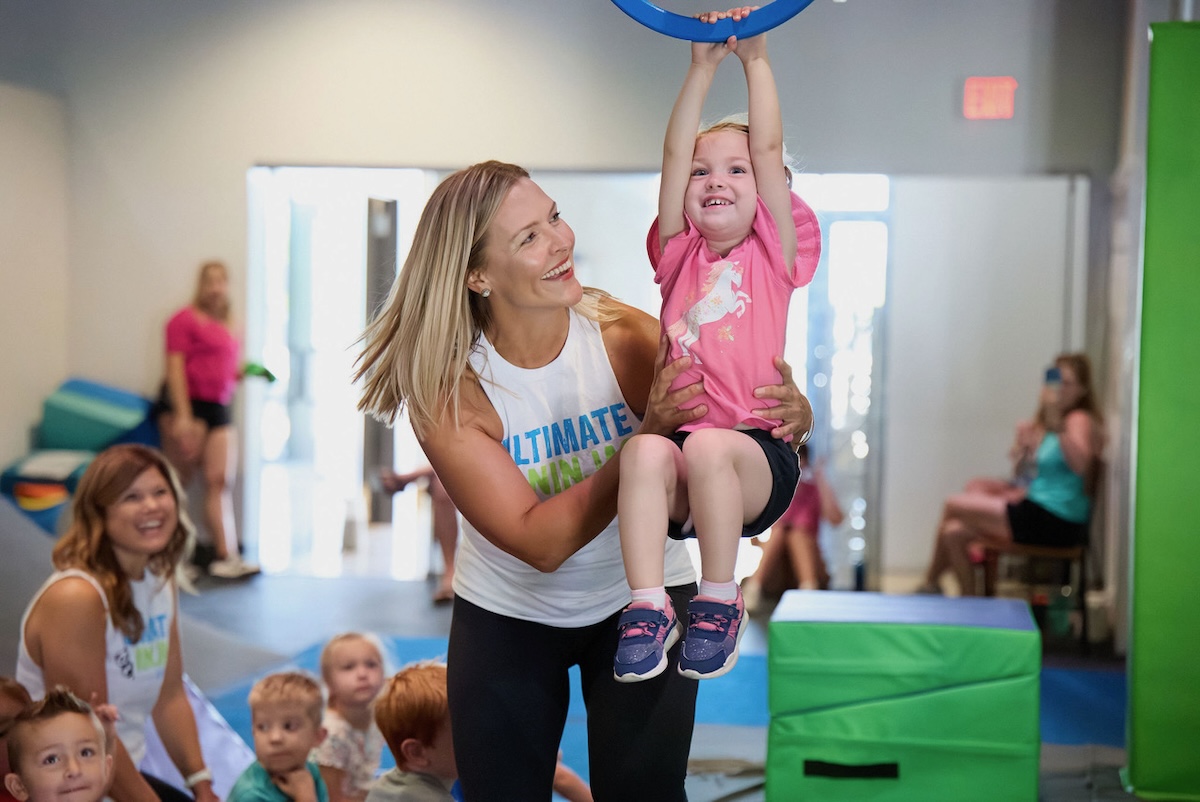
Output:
x=33 y=259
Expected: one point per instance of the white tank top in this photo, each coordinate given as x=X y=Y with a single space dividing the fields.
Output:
x=133 y=671
x=562 y=422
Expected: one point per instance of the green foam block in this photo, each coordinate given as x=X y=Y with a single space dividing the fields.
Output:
x=876 y=697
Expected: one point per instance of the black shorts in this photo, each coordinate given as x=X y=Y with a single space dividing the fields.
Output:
x=213 y=414
x=785 y=475
x=1034 y=525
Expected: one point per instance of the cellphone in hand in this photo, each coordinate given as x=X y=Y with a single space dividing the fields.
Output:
x=1053 y=376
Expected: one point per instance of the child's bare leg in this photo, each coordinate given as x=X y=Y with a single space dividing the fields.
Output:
x=651 y=491
x=729 y=484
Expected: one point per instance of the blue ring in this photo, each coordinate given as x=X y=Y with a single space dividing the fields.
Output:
x=669 y=23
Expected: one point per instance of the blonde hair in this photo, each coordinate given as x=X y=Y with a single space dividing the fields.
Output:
x=416 y=351
x=85 y=544
x=414 y=704
x=326 y=661
x=295 y=687
x=222 y=312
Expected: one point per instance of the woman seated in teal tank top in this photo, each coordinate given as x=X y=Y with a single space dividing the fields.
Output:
x=1055 y=509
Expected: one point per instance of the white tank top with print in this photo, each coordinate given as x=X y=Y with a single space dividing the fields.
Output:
x=133 y=672
x=561 y=423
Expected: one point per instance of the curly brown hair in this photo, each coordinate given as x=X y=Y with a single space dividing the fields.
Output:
x=85 y=544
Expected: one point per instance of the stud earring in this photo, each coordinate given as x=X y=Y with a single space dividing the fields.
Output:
x=486 y=292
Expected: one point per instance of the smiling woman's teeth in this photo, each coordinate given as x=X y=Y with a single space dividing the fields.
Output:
x=558 y=271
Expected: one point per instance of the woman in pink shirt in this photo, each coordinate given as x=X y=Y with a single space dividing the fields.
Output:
x=195 y=415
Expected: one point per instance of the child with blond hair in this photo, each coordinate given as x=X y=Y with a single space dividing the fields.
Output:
x=730 y=245
x=57 y=747
x=285 y=715
x=349 y=757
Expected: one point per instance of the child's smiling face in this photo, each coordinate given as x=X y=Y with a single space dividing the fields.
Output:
x=722 y=195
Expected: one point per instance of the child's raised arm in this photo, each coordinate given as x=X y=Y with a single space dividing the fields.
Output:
x=766 y=141
x=679 y=144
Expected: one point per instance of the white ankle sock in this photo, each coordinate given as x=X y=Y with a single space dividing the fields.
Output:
x=725 y=591
x=656 y=596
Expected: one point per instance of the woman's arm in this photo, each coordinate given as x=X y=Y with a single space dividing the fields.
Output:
x=65 y=636
x=1078 y=440
x=494 y=494
x=174 y=720
x=184 y=429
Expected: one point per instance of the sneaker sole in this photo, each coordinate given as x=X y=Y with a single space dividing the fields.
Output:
x=671 y=639
x=728 y=665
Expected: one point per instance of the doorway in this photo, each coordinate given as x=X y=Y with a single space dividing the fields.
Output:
x=315 y=239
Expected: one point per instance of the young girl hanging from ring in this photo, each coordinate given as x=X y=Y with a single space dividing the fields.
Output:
x=730 y=245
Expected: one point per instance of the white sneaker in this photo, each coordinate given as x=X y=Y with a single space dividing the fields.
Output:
x=232 y=567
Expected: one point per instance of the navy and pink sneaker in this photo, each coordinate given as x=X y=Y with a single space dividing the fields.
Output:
x=644 y=634
x=710 y=647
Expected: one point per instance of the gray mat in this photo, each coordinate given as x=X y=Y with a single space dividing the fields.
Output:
x=24 y=565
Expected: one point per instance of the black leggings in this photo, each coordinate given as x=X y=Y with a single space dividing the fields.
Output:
x=509 y=691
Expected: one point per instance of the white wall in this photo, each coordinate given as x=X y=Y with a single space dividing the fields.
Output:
x=979 y=301
x=33 y=260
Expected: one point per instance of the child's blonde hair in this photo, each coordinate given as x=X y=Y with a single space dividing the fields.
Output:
x=59 y=702
x=413 y=704
x=297 y=687
x=326 y=662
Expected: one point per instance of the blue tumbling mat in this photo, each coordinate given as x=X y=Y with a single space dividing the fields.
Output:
x=1078 y=706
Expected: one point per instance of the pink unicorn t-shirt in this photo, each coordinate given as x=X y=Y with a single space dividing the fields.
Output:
x=729 y=313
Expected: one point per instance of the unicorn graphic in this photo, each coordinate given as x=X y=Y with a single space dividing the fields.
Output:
x=719 y=297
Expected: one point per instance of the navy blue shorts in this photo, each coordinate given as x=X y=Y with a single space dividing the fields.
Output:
x=785 y=474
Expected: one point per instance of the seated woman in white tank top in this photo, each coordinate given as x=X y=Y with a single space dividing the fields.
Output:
x=104 y=624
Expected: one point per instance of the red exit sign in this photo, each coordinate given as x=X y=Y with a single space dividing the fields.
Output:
x=989 y=97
